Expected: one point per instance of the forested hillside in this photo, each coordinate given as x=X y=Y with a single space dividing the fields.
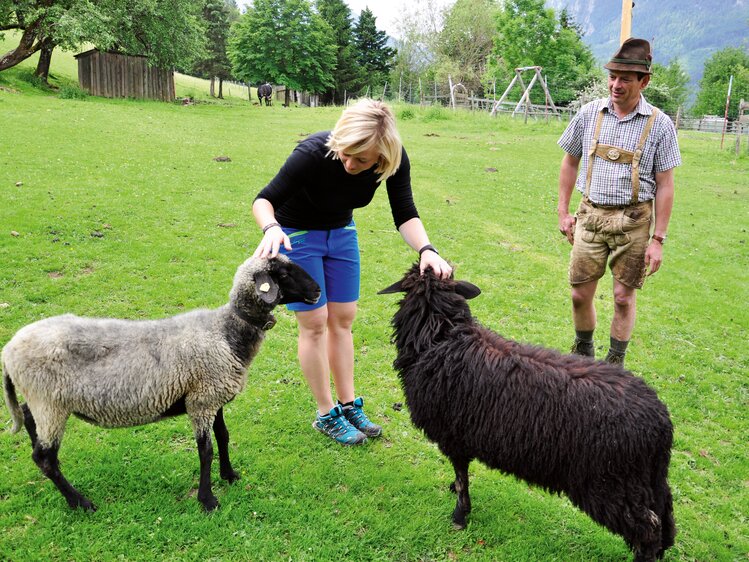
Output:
x=689 y=30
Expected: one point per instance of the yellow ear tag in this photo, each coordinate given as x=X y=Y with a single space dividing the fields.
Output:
x=265 y=287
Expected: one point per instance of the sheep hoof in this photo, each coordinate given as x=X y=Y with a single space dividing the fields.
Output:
x=210 y=504
x=459 y=520
x=231 y=476
x=83 y=503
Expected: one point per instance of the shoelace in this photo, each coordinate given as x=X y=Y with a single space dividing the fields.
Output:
x=359 y=417
x=338 y=426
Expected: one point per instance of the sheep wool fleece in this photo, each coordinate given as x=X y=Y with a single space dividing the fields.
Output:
x=118 y=373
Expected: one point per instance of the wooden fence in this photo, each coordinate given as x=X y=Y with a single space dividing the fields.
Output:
x=113 y=75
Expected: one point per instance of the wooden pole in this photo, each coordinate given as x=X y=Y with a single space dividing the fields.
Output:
x=738 y=138
x=626 y=31
x=725 y=116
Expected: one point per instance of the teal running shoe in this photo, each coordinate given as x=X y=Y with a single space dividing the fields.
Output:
x=335 y=425
x=356 y=416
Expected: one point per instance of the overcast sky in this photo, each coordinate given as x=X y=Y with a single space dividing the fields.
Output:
x=386 y=11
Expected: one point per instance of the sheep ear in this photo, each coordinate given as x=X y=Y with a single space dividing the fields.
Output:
x=266 y=288
x=467 y=290
x=394 y=288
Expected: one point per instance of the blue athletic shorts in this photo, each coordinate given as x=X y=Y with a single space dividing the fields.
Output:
x=331 y=257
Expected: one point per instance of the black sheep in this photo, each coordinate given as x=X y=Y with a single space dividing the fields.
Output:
x=566 y=423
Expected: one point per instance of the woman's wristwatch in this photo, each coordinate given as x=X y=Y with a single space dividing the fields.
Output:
x=428 y=247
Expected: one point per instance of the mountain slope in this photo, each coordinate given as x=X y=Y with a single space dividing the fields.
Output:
x=687 y=30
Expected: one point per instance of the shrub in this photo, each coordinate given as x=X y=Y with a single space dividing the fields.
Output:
x=435 y=114
x=73 y=92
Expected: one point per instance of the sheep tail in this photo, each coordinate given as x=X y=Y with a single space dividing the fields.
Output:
x=11 y=401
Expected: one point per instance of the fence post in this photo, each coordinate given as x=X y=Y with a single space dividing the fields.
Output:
x=738 y=138
x=725 y=117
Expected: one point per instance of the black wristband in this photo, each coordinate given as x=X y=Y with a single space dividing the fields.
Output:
x=428 y=247
x=267 y=227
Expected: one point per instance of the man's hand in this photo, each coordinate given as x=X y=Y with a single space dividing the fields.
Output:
x=567 y=226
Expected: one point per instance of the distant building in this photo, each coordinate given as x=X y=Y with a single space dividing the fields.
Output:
x=114 y=75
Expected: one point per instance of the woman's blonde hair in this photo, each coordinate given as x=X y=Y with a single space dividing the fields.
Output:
x=367 y=124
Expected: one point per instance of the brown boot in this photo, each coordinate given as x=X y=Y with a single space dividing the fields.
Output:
x=585 y=348
x=615 y=358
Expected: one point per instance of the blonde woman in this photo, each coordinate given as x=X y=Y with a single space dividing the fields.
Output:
x=307 y=211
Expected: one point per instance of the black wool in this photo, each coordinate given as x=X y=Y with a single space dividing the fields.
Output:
x=566 y=423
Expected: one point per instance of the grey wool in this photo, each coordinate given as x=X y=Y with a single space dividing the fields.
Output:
x=121 y=373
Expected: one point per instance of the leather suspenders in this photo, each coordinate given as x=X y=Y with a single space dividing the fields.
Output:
x=619 y=155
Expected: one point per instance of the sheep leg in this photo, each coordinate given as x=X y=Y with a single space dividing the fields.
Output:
x=46 y=459
x=205 y=452
x=668 y=526
x=29 y=424
x=222 y=441
x=463 y=504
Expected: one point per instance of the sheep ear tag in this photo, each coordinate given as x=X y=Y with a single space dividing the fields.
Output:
x=467 y=290
x=394 y=288
x=266 y=288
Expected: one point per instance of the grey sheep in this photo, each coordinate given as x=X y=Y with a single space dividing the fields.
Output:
x=122 y=373
x=566 y=423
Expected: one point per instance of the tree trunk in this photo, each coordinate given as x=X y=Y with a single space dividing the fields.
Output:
x=45 y=58
x=213 y=86
x=286 y=98
x=25 y=49
x=220 y=88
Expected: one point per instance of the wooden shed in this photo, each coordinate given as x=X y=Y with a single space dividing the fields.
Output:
x=114 y=75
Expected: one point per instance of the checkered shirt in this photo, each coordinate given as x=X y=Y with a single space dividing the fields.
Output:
x=611 y=183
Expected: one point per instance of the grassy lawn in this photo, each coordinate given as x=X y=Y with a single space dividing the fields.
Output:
x=118 y=208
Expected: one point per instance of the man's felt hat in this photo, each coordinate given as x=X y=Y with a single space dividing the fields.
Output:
x=633 y=56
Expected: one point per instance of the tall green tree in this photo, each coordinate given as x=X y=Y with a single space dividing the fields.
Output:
x=218 y=16
x=373 y=54
x=168 y=32
x=529 y=34
x=668 y=87
x=711 y=98
x=465 y=42
x=347 y=76
x=284 y=42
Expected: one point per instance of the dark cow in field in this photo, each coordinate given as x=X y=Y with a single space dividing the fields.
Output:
x=264 y=93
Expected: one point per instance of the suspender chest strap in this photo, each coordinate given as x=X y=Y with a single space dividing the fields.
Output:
x=618 y=155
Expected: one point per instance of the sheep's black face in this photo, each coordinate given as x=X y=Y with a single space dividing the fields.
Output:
x=414 y=283
x=429 y=310
x=294 y=284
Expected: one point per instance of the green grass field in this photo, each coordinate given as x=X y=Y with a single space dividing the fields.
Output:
x=117 y=208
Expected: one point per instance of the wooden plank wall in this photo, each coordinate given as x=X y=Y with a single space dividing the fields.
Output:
x=112 y=75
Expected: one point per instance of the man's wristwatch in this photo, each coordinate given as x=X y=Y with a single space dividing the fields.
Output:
x=660 y=239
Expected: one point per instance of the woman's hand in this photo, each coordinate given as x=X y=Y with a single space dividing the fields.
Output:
x=432 y=259
x=271 y=243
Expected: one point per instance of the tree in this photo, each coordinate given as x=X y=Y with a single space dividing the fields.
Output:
x=465 y=42
x=347 y=76
x=372 y=52
x=528 y=34
x=668 y=87
x=711 y=99
x=218 y=16
x=168 y=32
x=285 y=42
